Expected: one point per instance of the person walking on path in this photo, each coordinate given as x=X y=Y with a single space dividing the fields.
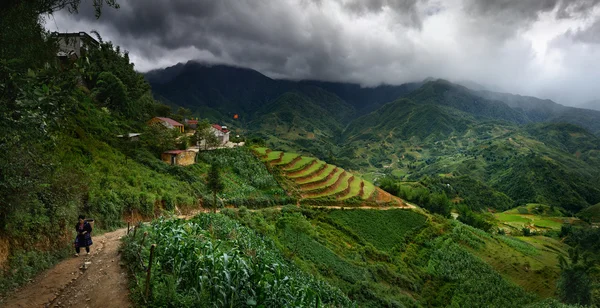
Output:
x=84 y=235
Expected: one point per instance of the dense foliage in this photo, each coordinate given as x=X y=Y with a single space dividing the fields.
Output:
x=213 y=261
x=396 y=258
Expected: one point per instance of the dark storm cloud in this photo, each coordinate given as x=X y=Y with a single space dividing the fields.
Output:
x=370 y=42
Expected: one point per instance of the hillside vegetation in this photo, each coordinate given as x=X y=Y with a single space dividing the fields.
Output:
x=213 y=261
x=395 y=258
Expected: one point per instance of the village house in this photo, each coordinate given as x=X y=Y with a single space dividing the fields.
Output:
x=221 y=132
x=179 y=157
x=191 y=123
x=74 y=45
x=167 y=122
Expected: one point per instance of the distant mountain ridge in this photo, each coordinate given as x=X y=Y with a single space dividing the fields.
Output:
x=230 y=89
x=517 y=149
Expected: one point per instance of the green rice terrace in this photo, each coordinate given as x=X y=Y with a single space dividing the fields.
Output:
x=316 y=181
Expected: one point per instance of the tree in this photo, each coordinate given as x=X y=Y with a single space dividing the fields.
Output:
x=214 y=183
x=158 y=138
x=440 y=204
x=182 y=114
x=204 y=134
x=574 y=285
x=111 y=92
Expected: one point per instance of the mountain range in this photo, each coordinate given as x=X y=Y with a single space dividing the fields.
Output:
x=523 y=148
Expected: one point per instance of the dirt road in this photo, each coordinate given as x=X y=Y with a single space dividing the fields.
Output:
x=103 y=284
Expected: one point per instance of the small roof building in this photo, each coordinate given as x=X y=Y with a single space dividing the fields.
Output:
x=179 y=157
x=221 y=132
x=74 y=45
x=167 y=122
x=191 y=123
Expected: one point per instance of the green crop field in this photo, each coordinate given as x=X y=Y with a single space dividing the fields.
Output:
x=273 y=155
x=354 y=189
x=301 y=164
x=307 y=171
x=330 y=181
x=342 y=184
x=388 y=251
x=287 y=158
x=324 y=173
x=513 y=219
x=391 y=225
x=368 y=189
x=214 y=259
x=260 y=150
x=315 y=177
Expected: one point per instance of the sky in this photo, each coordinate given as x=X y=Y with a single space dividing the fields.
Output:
x=543 y=48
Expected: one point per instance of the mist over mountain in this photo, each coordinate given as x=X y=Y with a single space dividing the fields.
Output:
x=593 y=105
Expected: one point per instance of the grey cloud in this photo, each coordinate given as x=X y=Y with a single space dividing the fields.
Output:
x=369 y=42
x=406 y=10
x=590 y=35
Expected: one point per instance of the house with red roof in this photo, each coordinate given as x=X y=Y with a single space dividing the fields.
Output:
x=167 y=122
x=221 y=132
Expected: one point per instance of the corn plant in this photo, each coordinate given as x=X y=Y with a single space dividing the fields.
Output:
x=213 y=261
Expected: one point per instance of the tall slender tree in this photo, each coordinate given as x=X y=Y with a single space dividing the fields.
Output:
x=214 y=183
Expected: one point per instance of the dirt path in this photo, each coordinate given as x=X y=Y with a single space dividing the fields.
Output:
x=103 y=284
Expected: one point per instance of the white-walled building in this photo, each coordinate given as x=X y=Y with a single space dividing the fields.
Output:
x=221 y=132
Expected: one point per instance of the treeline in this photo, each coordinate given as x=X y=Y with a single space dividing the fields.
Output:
x=433 y=194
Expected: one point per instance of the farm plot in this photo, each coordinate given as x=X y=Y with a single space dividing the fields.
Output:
x=214 y=259
x=318 y=180
x=392 y=225
x=287 y=158
x=519 y=221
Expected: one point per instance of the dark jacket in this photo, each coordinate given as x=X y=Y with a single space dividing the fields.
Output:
x=83 y=240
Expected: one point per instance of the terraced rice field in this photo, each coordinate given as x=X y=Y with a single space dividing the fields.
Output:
x=287 y=158
x=308 y=170
x=316 y=179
